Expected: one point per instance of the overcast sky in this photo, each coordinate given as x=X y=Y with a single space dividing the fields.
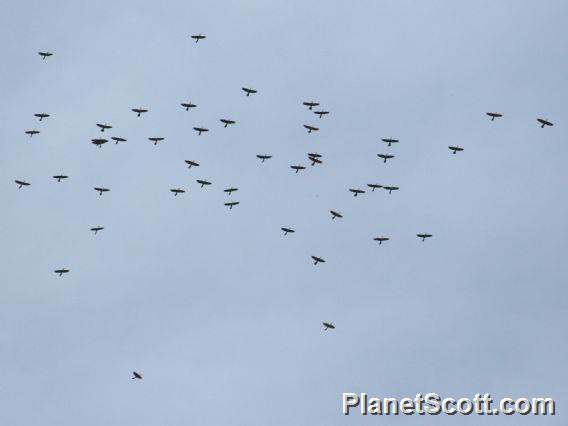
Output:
x=217 y=309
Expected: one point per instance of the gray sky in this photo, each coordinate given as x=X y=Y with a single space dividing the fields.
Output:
x=218 y=310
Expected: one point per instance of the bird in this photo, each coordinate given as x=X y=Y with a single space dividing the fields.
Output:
x=41 y=115
x=381 y=239
x=227 y=121
x=318 y=259
x=494 y=115
x=60 y=177
x=188 y=105
x=544 y=122
x=97 y=229
x=139 y=111
x=198 y=37
x=22 y=183
x=328 y=325
x=249 y=91
x=287 y=230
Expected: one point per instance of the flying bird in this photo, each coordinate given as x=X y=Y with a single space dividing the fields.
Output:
x=263 y=157
x=390 y=141
x=455 y=149
x=229 y=191
x=423 y=236
x=177 y=191
x=136 y=375
x=22 y=183
x=315 y=160
x=374 y=186
x=99 y=142
x=335 y=214
x=328 y=325
x=191 y=164
x=41 y=115
x=287 y=231
x=321 y=113
x=318 y=260
x=45 y=54
x=97 y=229
x=297 y=168
x=494 y=115
x=200 y=130
x=188 y=105
x=198 y=37
x=311 y=104
x=203 y=182
x=117 y=139
x=103 y=127
x=101 y=190
x=311 y=128
x=356 y=191
x=391 y=188
x=544 y=122
x=139 y=111
x=226 y=121
x=32 y=132
x=59 y=177
x=156 y=140
x=61 y=271
x=385 y=157
x=249 y=91
x=381 y=239
x=231 y=204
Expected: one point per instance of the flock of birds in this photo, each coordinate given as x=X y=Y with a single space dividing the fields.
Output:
x=313 y=157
